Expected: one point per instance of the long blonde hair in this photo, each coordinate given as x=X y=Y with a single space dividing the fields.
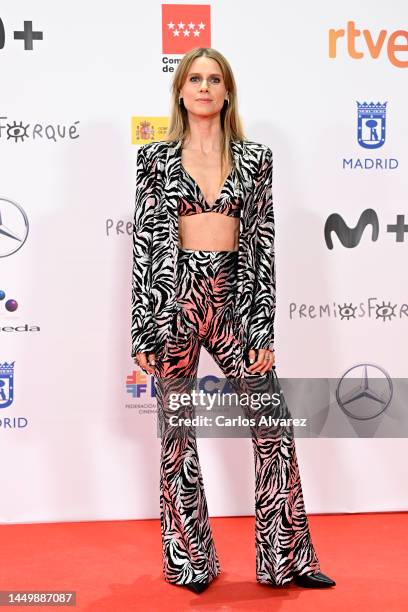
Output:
x=231 y=125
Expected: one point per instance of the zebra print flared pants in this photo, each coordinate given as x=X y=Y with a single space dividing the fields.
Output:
x=206 y=282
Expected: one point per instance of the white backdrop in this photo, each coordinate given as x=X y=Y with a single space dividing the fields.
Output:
x=76 y=442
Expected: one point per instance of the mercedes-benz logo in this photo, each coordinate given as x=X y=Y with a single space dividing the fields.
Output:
x=13 y=227
x=368 y=398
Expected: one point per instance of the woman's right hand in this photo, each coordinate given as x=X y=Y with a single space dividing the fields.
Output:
x=147 y=365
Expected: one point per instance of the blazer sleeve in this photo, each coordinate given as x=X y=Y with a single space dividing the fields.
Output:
x=262 y=315
x=142 y=325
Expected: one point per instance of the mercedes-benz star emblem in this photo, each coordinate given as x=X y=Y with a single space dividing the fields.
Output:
x=367 y=398
x=13 y=227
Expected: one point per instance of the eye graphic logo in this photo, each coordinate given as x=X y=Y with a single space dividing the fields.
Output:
x=10 y=305
x=371 y=124
x=385 y=311
x=6 y=384
x=18 y=131
x=347 y=311
x=382 y=311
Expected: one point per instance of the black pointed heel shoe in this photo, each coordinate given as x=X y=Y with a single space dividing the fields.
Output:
x=197 y=587
x=316 y=580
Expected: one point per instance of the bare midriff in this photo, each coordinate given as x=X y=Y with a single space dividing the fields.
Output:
x=209 y=231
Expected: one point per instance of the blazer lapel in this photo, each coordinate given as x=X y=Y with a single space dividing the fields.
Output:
x=170 y=194
x=244 y=186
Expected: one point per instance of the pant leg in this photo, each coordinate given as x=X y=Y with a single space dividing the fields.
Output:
x=283 y=540
x=188 y=547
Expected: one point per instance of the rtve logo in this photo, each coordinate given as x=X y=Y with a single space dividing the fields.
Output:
x=371 y=45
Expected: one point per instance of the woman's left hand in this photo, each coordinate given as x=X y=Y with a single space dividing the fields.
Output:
x=264 y=362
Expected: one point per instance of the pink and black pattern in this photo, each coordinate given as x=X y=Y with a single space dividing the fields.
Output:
x=224 y=301
x=156 y=239
x=192 y=201
x=204 y=316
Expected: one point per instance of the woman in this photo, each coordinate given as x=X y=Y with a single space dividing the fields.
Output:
x=204 y=275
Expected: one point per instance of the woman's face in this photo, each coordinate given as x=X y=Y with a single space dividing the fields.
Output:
x=204 y=82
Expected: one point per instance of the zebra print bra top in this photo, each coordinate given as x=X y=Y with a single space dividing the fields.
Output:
x=192 y=201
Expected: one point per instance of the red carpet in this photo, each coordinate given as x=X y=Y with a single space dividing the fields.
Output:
x=116 y=566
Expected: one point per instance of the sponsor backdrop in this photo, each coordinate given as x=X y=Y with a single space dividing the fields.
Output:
x=83 y=85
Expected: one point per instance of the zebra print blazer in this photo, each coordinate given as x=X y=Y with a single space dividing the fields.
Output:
x=155 y=246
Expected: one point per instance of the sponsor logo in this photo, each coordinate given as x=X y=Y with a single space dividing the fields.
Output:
x=347 y=311
x=8 y=311
x=148 y=129
x=350 y=237
x=361 y=396
x=13 y=227
x=185 y=26
x=27 y=34
x=17 y=131
x=371 y=132
x=6 y=384
x=10 y=305
x=371 y=124
x=360 y=44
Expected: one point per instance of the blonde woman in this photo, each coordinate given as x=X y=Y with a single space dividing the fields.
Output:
x=204 y=275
